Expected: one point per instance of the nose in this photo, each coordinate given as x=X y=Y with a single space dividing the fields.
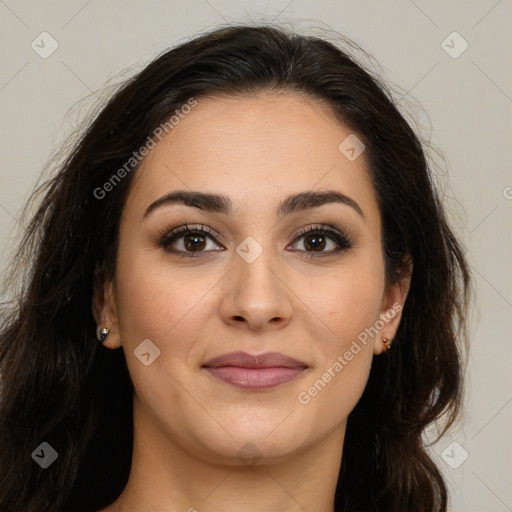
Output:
x=258 y=296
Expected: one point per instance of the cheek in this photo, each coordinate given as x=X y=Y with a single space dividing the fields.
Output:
x=346 y=307
x=338 y=381
x=332 y=393
x=344 y=301
x=156 y=303
x=166 y=307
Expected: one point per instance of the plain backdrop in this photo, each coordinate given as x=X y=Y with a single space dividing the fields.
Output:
x=451 y=62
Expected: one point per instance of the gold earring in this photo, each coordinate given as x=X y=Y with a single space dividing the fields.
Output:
x=387 y=343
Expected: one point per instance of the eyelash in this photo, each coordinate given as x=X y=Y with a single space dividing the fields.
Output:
x=343 y=240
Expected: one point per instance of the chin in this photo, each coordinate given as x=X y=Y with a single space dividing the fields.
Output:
x=249 y=442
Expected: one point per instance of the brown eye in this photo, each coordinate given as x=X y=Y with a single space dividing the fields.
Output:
x=194 y=242
x=191 y=241
x=187 y=241
x=323 y=241
x=314 y=242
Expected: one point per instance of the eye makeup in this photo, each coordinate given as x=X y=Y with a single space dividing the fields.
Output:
x=197 y=235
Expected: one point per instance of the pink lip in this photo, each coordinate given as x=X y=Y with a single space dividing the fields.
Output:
x=255 y=371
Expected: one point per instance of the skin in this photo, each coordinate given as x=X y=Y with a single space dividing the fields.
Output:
x=189 y=427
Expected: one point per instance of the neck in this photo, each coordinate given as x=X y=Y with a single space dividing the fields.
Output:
x=166 y=476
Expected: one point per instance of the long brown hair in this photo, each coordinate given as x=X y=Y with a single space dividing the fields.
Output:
x=59 y=386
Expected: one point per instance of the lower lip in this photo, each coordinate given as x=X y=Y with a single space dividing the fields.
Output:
x=255 y=378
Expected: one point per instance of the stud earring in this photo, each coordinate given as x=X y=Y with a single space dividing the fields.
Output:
x=101 y=334
x=387 y=343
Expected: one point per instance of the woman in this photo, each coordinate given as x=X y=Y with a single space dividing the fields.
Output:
x=250 y=229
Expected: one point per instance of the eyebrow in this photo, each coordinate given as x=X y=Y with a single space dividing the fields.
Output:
x=219 y=203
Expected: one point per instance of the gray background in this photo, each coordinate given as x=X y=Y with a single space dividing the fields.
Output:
x=461 y=105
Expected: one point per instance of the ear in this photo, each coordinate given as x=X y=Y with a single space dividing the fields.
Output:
x=105 y=311
x=393 y=302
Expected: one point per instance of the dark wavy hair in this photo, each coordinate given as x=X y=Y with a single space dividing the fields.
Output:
x=60 y=386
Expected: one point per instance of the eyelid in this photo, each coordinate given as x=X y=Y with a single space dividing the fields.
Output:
x=342 y=238
x=326 y=228
x=167 y=233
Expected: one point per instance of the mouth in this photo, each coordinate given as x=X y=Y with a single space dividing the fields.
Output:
x=262 y=371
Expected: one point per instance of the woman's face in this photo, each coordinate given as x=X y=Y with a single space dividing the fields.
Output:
x=251 y=281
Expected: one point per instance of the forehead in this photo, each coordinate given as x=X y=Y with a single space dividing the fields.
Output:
x=261 y=147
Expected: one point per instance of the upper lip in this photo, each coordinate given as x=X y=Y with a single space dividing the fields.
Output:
x=245 y=360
